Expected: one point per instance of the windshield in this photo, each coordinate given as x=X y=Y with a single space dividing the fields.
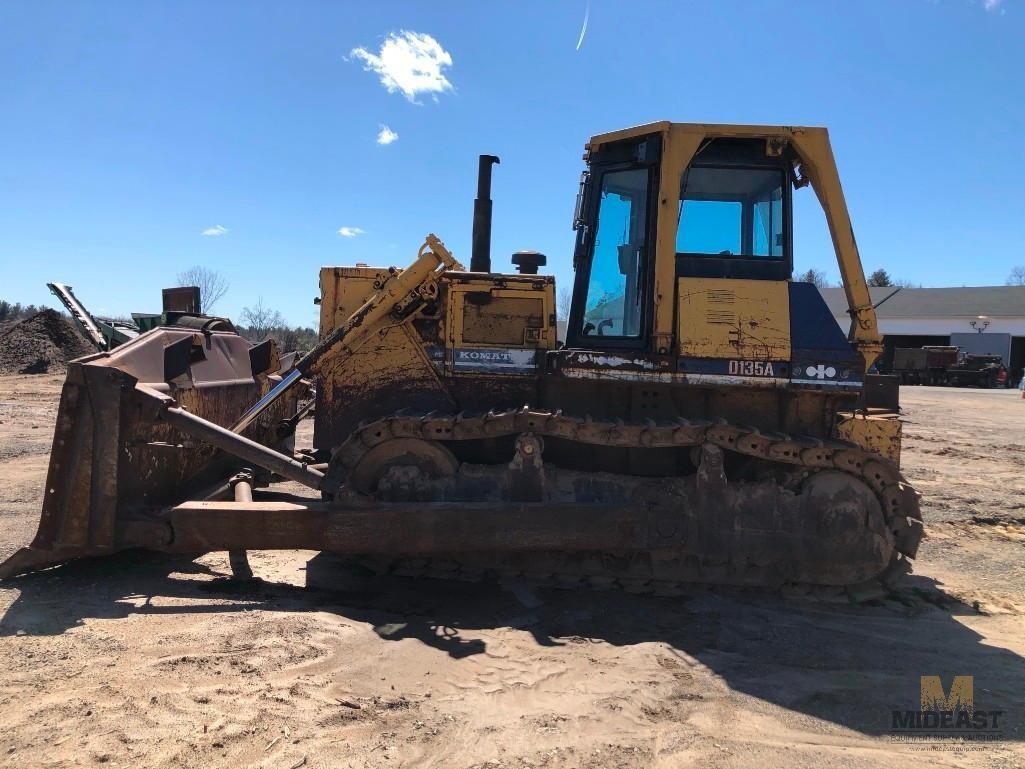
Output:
x=731 y=212
x=613 y=306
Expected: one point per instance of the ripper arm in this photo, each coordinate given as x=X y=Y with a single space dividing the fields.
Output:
x=400 y=295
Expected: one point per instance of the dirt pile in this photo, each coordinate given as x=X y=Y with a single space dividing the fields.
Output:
x=40 y=344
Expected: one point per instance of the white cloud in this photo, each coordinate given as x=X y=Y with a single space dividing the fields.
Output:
x=386 y=135
x=992 y=5
x=409 y=62
x=216 y=230
x=350 y=232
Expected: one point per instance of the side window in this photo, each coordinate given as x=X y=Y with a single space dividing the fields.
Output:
x=768 y=223
x=613 y=306
x=731 y=212
x=709 y=227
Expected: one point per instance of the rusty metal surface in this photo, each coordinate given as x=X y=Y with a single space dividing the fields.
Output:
x=407 y=528
x=878 y=433
x=742 y=520
x=813 y=533
x=114 y=465
x=882 y=391
x=700 y=516
x=804 y=413
x=244 y=448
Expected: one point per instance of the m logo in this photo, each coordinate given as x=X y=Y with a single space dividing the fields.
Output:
x=946 y=713
x=960 y=698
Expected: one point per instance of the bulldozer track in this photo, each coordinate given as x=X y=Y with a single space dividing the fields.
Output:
x=899 y=501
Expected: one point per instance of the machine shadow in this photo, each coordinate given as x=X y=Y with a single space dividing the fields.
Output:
x=850 y=665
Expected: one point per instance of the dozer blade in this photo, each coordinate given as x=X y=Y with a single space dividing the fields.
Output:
x=120 y=456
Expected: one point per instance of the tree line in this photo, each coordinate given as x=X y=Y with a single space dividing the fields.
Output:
x=878 y=278
x=881 y=277
x=17 y=311
x=260 y=322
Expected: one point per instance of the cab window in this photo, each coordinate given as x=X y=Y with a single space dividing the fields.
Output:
x=613 y=305
x=731 y=212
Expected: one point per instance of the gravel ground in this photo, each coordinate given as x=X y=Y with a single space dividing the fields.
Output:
x=143 y=660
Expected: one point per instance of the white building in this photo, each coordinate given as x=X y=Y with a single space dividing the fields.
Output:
x=981 y=319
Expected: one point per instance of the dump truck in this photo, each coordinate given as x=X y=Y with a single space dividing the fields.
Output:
x=924 y=365
x=948 y=365
x=706 y=421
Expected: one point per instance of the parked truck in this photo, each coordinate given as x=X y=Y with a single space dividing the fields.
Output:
x=978 y=371
x=948 y=365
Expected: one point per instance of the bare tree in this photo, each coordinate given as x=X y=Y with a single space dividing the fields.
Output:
x=562 y=304
x=259 y=321
x=816 y=277
x=1017 y=276
x=212 y=285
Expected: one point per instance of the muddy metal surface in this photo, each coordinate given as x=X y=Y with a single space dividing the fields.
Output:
x=144 y=660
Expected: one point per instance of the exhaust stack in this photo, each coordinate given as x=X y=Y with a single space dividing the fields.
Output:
x=480 y=255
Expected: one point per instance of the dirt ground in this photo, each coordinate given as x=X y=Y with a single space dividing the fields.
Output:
x=144 y=660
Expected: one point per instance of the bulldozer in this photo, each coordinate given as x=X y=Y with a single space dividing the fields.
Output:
x=705 y=419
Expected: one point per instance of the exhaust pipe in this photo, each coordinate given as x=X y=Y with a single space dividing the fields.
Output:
x=480 y=255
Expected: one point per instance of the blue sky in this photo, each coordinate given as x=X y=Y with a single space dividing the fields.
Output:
x=130 y=129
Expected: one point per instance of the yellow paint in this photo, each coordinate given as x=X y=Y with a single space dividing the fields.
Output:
x=680 y=142
x=343 y=290
x=485 y=316
x=677 y=152
x=877 y=433
x=734 y=319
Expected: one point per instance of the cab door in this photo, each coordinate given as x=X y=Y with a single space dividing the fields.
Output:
x=612 y=294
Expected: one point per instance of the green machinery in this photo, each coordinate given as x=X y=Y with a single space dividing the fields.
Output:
x=107 y=333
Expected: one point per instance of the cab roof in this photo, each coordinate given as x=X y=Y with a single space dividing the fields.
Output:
x=709 y=129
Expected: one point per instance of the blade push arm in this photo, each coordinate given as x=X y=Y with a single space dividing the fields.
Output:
x=401 y=294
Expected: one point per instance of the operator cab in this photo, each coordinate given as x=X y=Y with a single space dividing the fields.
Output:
x=734 y=221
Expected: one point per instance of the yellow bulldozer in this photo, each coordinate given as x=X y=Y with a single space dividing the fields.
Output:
x=704 y=421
